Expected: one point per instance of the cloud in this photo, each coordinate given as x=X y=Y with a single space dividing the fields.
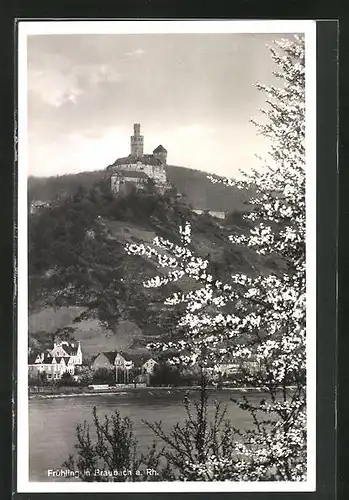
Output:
x=95 y=74
x=56 y=87
x=53 y=87
x=136 y=53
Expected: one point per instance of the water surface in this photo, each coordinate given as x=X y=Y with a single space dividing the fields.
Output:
x=52 y=421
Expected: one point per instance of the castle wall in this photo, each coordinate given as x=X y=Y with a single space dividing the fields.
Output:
x=137 y=167
x=156 y=172
x=159 y=175
x=126 y=184
x=114 y=184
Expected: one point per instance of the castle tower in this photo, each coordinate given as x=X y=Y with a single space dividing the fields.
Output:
x=137 y=141
x=161 y=153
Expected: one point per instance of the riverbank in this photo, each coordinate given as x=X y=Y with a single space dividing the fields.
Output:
x=69 y=392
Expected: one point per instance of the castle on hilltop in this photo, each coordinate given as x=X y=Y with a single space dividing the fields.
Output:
x=135 y=170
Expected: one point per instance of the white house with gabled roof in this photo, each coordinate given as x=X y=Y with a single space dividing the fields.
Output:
x=68 y=350
x=63 y=358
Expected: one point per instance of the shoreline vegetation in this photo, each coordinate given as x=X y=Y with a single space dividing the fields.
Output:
x=65 y=392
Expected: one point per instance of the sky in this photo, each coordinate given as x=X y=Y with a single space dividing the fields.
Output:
x=192 y=93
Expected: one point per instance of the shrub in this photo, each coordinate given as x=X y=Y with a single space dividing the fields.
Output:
x=66 y=380
x=114 y=449
x=103 y=376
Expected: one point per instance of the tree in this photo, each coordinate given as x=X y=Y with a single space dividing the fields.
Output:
x=85 y=375
x=40 y=379
x=104 y=376
x=114 y=455
x=258 y=321
x=165 y=375
x=66 y=380
x=194 y=440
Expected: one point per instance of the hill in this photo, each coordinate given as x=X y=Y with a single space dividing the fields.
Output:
x=194 y=185
x=83 y=285
x=200 y=192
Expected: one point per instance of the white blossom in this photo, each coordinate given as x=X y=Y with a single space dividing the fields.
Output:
x=266 y=332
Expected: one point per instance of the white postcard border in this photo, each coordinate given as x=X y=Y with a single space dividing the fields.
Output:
x=26 y=28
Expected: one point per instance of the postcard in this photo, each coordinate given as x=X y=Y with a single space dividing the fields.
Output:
x=166 y=256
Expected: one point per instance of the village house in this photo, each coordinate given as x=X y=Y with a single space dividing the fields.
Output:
x=37 y=205
x=104 y=360
x=223 y=369
x=68 y=350
x=217 y=214
x=63 y=358
x=123 y=363
x=53 y=366
x=149 y=366
x=226 y=369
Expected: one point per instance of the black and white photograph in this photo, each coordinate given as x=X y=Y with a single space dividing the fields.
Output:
x=166 y=256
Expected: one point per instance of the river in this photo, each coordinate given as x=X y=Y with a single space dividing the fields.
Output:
x=52 y=421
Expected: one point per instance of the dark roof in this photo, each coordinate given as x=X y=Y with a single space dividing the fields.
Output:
x=124 y=161
x=132 y=173
x=70 y=349
x=146 y=159
x=31 y=358
x=47 y=358
x=58 y=359
x=138 y=359
x=160 y=149
x=110 y=355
